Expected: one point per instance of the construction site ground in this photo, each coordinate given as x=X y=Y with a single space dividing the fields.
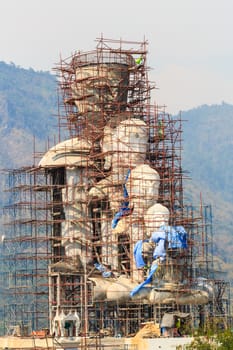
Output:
x=111 y=343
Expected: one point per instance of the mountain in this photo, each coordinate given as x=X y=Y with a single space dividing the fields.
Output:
x=207 y=155
x=28 y=104
x=208 y=146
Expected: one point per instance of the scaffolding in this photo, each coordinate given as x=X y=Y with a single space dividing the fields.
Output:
x=75 y=218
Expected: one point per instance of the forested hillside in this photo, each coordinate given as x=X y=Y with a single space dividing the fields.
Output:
x=208 y=146
x=28 y=104
x=207 y=155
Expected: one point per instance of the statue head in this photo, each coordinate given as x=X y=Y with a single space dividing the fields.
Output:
x=100 y=81
x=143 y=187
x=126 y=145
x=70 y=153
x=155 y=217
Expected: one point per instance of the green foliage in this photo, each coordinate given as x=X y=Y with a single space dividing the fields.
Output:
x=225 y=340
x=221 y=341
x=201 y=343
x=218 y=340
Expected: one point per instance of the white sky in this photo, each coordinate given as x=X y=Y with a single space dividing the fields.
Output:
x=190 y=41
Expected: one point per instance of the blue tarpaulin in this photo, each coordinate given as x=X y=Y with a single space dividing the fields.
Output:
x=148 y=280
x=105 y=272
x=124 y=209
x=174 y=237
x=138 y=254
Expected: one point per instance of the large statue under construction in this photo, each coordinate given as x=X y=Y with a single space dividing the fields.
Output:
x=118 y=223
x=121 y=248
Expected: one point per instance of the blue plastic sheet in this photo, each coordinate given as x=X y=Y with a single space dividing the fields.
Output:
x=148 y=280
x=124 y=209
x=176 y=238
x=105 y=273
x=138 y=254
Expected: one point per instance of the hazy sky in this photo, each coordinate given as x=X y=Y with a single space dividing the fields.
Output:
x=190 y=41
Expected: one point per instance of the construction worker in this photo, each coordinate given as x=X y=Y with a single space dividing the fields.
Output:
x=139 y=61
x=177 y=328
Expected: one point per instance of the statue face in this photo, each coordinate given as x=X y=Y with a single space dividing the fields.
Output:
x=142 y=187
x=77 y=182
x=127 y=143
x=159 y=220
x=131 y=136
x=146 y=188
x=143 y=183
x=155 y=217
x=99 y=87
